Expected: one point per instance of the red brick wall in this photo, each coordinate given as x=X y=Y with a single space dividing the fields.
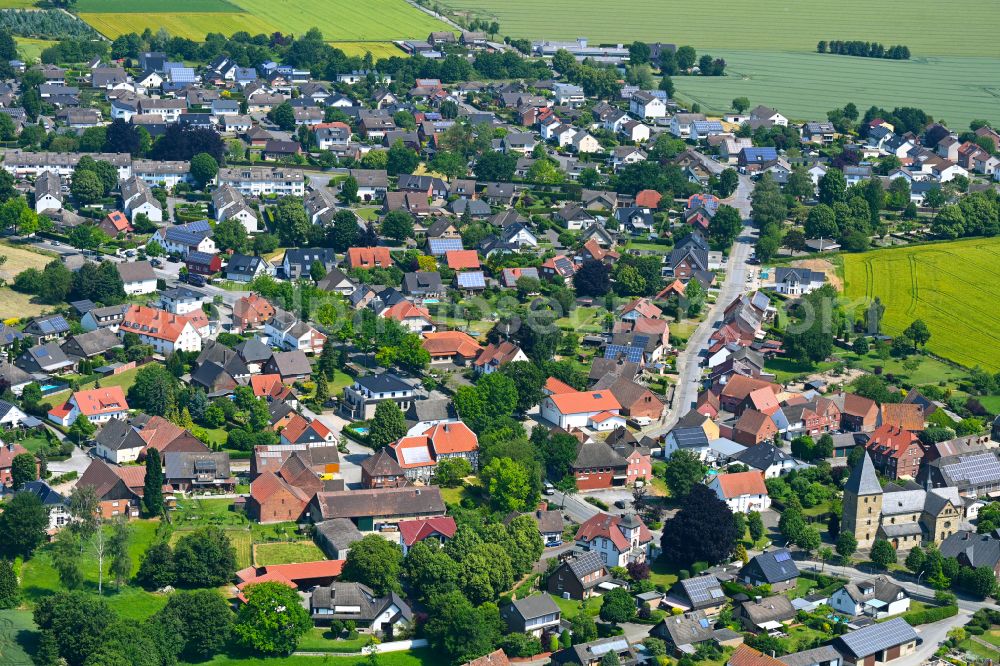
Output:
x=280 y=507
x=594 y=480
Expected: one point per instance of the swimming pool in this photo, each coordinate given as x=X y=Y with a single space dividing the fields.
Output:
x=361 y=430
x=431 y=300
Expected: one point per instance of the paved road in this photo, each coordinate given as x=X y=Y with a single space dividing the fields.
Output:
x=689 y=359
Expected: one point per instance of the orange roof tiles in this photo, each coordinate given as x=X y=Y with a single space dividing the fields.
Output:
x=462 y=259
x=118 y=220
x=268 y=386
x=747 y=656
x=585 y=401
x=606 y=526
x=452 y=438
x=95 y=402
x=742 y=483
x=908 y=416
x=891 y=439
x=451 y=343
x=369 y=257
x=406 y=310
x=157 y=323
x=413 y=531
x=648 y=199
x=555 y=386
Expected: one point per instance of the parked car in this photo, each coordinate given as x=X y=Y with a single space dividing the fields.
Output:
x=195 y=280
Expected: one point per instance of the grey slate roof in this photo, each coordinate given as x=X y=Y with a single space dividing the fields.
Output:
x=184 y=465
x=339 y=532
x=762 y=456
x=537 y=605
x=775 y=566
x=877 y=637
x=821 y=655
x=979 y=549
x=863 y=479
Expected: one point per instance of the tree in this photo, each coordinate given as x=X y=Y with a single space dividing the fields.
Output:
x=23 y=468
x=725 y=226
x=618 y=606
x=450 y=471
x=229 y=234
x=918 y=332
x=398 y=225
x=883 y=554
x=684 y=471
x=401 y=159
x=387 y=425
x=283 y=116
x=528 y=380
x=756 y=525
x=23 y=524
x=10 y=594
x=685 y=57
x=121 y=560
x=86 y=187
x=75 y=625
x=349 y=190
x=460 y=631
x=915 y=559
x=638 y=53
x=741 y=104
x=832 y=187
x=157 y=568
x=508 y=484
x=808 y=539
x=584 y=628
x=204 y=168
x=153 y=390
x=593 y=278
x=982 y=582
x=272 y=619
x=204 y=558
x=375 y=562
x=204 y=618
x=704 y=529
x=152 y=498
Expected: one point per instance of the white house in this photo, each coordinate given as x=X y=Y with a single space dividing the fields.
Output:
x=137 y=277
x=185 y=238
x=763 y=113
x=618 y=540
x=797 y=281
x=743 y=492
x=878 y=598
x=182 y=300
x=48 y=192
x=98 y=406
x=259 y=181
x=576 y=409
x=693 y=439
x=164 y=331
x=285 y=330
x=646 y=105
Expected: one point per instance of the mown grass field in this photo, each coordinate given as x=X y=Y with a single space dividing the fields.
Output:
x=31 y=49
x=951 y=286
x=291 y=552
x=377 y=49
x=154 y=6
x=343 y=20
x=926 y=27
x=805 y=86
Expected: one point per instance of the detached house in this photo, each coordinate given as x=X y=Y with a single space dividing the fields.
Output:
x=286 y=331
x=96 y=405
x=742 y=492
x=775 y=568
x=618 y=540
x=878 y=597
x=578 y=577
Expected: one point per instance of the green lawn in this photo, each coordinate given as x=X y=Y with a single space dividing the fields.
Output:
x=786 y=369
x=286 y=553
x=662 y=572
x=979 y=649
x=31 y=49
x=124 y=379
x=17 y=638
x=39 y=577
x=571 y=607
x=801 y=637
x=950 y=286
x=319 y=639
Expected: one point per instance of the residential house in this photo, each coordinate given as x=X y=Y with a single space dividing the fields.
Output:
x=98 y=406
x=742 y=492
x=535 y=615
x=380 y=470
x=767 y=614
x=878 y=597
x=877 y=643
x=438 y=528
x=377 y=509
x=166 y=332
x=895 y=452
x=617 y=539
x=361 y=397
x=357 y=603
x=775 y=568
x=118 y=489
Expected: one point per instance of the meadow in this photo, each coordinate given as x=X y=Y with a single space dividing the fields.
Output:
x=926 y=27
x=346 y=20
x=31 y=49
x=950 y=286
x=192 y=25
x=806 y=85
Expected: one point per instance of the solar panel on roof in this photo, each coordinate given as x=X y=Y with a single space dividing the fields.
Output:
x=628 y=352
x=475 y=279
x=704 y=623
x=782 y=556
x=414 y=456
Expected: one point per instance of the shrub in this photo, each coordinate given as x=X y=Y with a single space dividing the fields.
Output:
x=929 y=615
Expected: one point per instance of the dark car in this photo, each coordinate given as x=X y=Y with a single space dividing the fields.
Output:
x=195 y=280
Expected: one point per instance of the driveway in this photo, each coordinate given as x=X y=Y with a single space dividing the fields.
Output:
x=350 y=463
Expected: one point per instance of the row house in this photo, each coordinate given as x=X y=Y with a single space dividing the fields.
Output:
x=261 y=181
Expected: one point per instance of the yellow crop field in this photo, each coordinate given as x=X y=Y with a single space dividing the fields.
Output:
x=194 y=25
x=378 y=50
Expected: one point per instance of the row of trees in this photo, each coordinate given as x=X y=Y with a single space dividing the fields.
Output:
x=863 y=49
x=684 y=59
x=55 y=283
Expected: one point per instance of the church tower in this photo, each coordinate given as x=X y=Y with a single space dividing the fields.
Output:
x=862 y=503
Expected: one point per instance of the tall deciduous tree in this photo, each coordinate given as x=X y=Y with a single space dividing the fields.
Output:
x=375 y=562
x=387 y=425
x=702 y=531
x=272 y=620
x=23 y=524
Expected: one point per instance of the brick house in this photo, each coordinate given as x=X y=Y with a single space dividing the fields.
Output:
x=895 y=452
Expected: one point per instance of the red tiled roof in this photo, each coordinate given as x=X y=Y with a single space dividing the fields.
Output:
x=556 y=386
x=413 y=531
x=452 y=438
x=369 y=257
x=585 y=401
x=606 y=526
x=268 y=386
x=10 y=451
x=95 y=402
x=905 y=415
x=742 y=483
x=157 y=323
x=462 y=259
x=501 y=353
x=118 y=220
x=451 y=343
x=747 y=656
x=406 y=310
x=648 y=199
x=891 y=439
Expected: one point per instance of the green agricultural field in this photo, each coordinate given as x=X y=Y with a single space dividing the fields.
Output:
x=925 y=26
x=153 y=6
x=951 y=286
x=17 y=638
x=291 y=552
x=346 y=20
x=805 y=86
x=379 y=50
